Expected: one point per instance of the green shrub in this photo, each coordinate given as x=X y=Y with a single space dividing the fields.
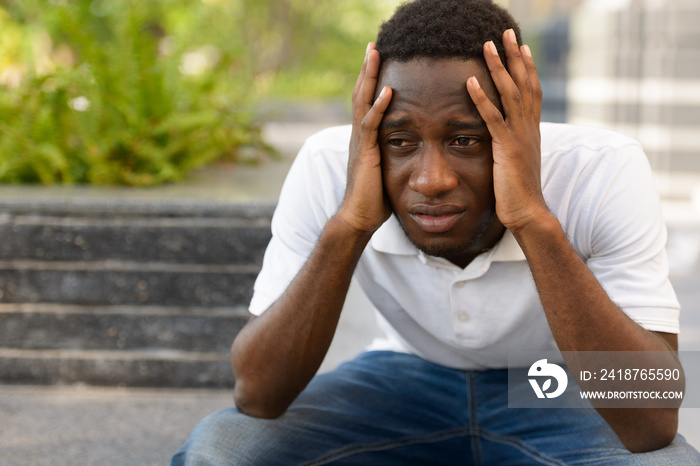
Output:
x=122 y=104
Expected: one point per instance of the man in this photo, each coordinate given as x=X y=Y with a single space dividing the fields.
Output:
x=476 y=233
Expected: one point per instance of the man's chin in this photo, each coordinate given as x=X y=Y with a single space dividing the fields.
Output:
x=447 y=247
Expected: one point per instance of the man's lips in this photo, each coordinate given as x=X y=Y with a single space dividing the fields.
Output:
x=436 y=218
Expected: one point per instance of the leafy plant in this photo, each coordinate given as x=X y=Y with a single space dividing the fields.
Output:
x=123 y=105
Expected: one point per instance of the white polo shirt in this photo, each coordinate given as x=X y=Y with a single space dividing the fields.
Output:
x=598 y=184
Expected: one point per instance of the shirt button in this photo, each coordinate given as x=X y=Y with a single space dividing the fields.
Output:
x=463 y=317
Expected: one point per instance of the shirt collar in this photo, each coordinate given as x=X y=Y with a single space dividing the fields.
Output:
x=391 y=239
x=507 y=249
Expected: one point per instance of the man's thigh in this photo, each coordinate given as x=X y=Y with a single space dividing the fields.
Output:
x=381 y=408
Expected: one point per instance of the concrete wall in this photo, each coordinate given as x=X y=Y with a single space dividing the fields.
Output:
x=634 y=66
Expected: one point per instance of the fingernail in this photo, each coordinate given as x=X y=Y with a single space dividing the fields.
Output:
x=367 y=49
x=527 y=50
x=381 y=94
x=511 y=35
x=475 y=82
x=492 y=48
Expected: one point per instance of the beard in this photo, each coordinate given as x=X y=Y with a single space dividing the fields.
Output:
x=447 y=249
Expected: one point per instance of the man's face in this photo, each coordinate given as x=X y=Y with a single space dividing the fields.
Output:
x=436 y=157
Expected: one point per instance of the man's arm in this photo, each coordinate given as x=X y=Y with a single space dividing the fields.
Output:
x=579 y=312
x=276 y=354
x=583 y=318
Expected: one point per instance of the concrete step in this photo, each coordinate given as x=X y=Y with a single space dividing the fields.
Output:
x=116 y=282
x=86 y=202
x=180 y=239
x=125 y=293
x=146 y=368
x=65 y=327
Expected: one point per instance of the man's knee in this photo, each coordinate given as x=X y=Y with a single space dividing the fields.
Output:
x=223 y=437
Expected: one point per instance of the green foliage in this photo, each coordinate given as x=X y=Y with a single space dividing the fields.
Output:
x=109 y=96
x=140 y=92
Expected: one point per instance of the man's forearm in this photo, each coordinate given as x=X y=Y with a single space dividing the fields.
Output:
x=583 y=318
x=276 y=355
x=580 y=313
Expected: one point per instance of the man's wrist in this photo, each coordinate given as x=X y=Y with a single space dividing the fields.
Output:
x=541 y=227
x=345 y=227
x=354 y=225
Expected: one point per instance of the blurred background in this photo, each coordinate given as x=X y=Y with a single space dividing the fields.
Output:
x=108 y=103
x=139 y=93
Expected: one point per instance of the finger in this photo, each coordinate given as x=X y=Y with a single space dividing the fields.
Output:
x=358 y=115
x=371 y=121
x=365 y=95
x=534 y=82
x=517 y=70
x=510 y=95
x=489 y=112
x=361 y=76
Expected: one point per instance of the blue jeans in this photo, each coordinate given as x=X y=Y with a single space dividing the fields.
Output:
x=387 y=408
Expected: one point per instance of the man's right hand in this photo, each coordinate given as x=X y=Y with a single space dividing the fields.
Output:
x=365 y=207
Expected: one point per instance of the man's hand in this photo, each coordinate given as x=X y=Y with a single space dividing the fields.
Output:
x=364 y=207
x=515 y=133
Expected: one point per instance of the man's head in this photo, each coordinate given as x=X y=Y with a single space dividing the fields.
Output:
x=436 y=149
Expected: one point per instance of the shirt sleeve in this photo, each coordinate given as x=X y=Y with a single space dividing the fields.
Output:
x=628 y=239
x=310 y=195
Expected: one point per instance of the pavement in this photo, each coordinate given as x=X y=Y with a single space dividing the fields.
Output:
x=81 y=425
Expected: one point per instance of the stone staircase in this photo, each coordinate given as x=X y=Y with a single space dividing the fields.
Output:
x=125 y=293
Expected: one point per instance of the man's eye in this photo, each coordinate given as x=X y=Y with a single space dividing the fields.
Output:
x=464 y=141
x=397 y=142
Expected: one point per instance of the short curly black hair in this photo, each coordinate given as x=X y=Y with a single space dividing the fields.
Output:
x=444 y=29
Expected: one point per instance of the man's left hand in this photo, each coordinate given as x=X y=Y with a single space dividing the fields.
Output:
x=515 y=133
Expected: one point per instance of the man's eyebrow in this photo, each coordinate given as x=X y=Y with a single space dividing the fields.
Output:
x=388 y=124
x=474 y=124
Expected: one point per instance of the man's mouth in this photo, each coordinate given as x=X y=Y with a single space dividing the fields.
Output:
x=436 y=218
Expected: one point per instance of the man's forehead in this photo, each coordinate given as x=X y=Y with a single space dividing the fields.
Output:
x=433 y=86
x=421 y=80
x=428 y=70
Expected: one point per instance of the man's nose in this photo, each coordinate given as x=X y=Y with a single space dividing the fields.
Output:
x=433 y=175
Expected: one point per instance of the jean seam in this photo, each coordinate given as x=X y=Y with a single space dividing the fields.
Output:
x=518 y=444
x=474 y=420
x=389 y=444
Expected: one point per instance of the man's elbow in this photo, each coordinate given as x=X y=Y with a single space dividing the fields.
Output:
x=655 y=435
x=253 y=403
x=651 y=443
